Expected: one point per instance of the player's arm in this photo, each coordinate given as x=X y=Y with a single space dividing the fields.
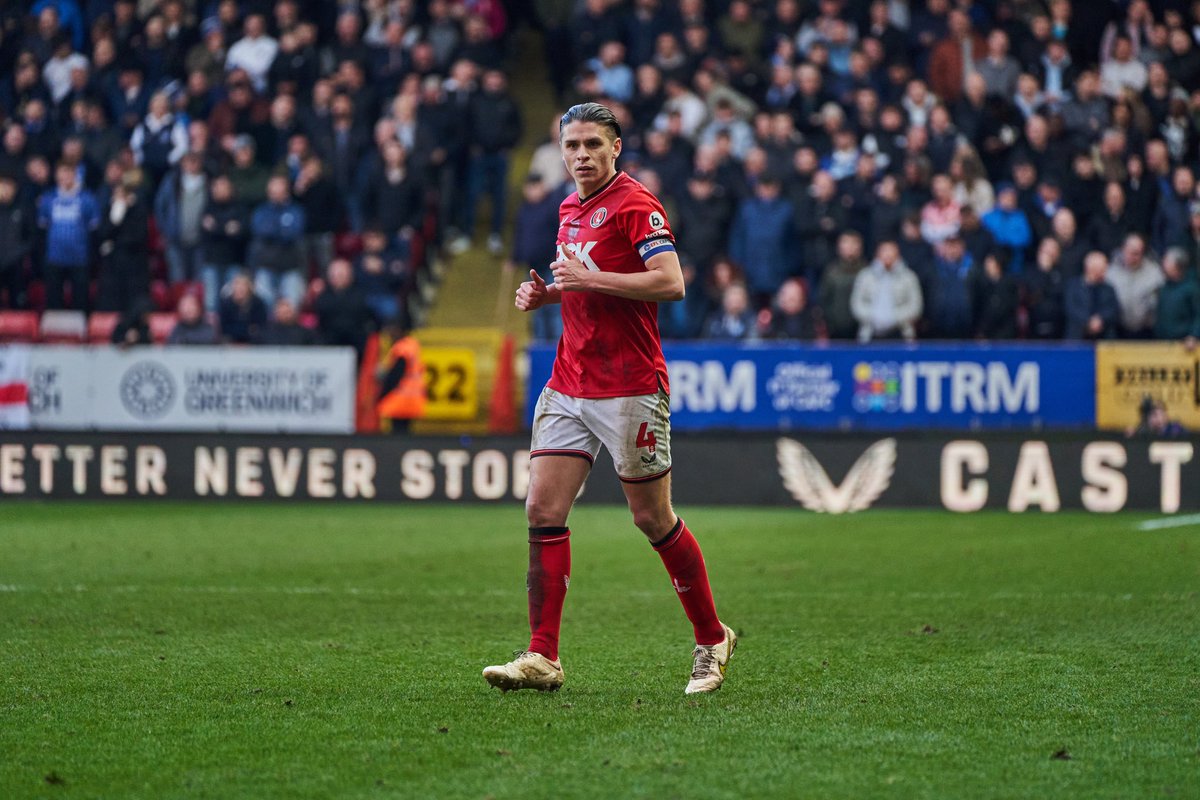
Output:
x=661 y=282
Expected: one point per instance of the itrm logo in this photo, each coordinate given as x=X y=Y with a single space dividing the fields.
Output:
x=956 y=386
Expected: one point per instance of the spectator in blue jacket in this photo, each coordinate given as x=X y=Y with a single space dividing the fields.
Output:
x=130 y=99
x=243 y=314
x=1092 y=308
x=734 y=320
x=381 y=273
x=615 y=76
x=761 y=240
x=68 y=214
x=533 y=248
x=1009 y=226
x=277 y=245
x=949 y=303
x=1170 y=222
x=69 y=18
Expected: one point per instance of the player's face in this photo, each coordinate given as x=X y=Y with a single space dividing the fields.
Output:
x=590 y=154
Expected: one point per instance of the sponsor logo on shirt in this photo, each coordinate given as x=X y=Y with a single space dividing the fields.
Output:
x=582 y=251
x=657 y=220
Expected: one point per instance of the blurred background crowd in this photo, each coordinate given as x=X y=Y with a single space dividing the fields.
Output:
x=286 y=171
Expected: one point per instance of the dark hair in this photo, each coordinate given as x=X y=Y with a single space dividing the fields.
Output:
x=591 y=112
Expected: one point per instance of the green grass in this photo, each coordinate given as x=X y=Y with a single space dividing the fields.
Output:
x=292 y=651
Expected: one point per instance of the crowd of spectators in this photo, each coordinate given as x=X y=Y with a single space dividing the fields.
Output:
x=866 y=169
x=833 y=168
x=259 y=163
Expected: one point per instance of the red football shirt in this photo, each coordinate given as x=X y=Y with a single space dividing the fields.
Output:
x=610 y=346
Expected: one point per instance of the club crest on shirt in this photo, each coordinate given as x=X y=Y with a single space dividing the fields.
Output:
x=598 y=218
x=656 y=220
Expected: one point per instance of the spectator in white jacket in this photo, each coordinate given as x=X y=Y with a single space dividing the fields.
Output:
x=1136 y=278
x=160 y=139
x=1123 y=71
x=886 y=299
x=254 y=52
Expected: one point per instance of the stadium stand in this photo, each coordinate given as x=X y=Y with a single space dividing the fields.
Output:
x=139 y=139
x=995 y=143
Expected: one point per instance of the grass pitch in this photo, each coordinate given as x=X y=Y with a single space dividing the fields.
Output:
x=296 y=650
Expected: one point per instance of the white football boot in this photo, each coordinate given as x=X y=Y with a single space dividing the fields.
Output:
x=709 y=662
x=527 y=671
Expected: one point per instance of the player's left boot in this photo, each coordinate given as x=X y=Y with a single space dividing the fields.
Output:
x=709 y=662
x=527 y=671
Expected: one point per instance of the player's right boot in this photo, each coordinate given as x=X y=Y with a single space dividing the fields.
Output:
x=527 y=671
x=709 y=663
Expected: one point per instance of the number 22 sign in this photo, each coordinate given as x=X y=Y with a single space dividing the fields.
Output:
x=451 y=383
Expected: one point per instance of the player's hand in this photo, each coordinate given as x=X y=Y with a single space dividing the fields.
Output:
x=532 y=294
x=570 y=274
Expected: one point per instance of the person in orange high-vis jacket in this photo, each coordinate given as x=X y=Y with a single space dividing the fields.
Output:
x=402 y=383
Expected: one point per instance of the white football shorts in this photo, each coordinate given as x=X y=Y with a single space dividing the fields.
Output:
x=636 y=430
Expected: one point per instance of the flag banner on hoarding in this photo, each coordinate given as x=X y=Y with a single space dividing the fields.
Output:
x=14 y=387
x=879 y=387
x=262 y=389
x=1127 y=373
x=827 y=473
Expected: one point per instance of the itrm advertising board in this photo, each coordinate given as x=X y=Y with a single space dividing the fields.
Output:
x=262 y=389
x=879 y=387
x=826 y=473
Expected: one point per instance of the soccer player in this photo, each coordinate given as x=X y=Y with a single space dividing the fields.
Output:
x=616 y=261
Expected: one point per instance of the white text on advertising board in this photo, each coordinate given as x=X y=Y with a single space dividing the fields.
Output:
x=706 y=386
x=956 y=386
x=966 y=482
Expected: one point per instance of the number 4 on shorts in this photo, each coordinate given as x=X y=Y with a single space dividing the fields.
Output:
x=645 y=437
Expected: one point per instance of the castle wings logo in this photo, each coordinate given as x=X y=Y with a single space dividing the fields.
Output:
x=807 y=482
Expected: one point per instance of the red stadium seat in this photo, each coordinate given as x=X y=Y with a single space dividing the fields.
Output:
x=101 y=326
x=64 y=327
x=18 y=326
x=161 y=325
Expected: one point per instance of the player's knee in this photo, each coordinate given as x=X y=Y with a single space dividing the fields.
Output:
x=544 y=514
x=653 y=521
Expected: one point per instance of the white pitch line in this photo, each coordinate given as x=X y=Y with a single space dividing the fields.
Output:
x=1169 y=522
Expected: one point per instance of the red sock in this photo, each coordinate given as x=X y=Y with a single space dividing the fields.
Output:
x=547 y=581
x=680 y=553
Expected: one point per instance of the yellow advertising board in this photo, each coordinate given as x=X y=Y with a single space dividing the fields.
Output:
x=451 y=383
x=1129 y=372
